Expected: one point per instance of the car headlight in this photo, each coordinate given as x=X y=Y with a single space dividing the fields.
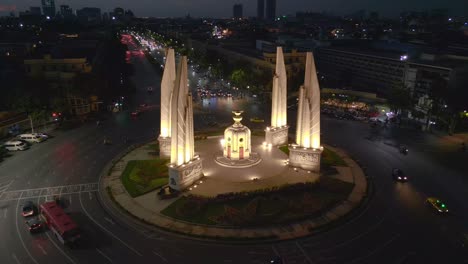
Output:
x=399 y=178
x=404 y=178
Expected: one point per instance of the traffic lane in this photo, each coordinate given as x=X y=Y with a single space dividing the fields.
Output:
x=38 y=246
x=415 y=207
x=12 y=249
x=111 y=239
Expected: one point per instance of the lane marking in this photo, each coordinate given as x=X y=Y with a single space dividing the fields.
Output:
x=103 y=228
x=42 y=249
x=163 y=258
x=109 y=220
x=104 y=255
x=19 y=234
x=90 y=196
x=304 y=253
x=15 y=258
x=377 y=249
x=5 y=212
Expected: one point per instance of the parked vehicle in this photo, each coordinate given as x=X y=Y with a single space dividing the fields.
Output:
x=32 y=138
x=15 y=145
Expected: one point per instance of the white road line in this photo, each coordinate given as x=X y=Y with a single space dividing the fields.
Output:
x=19 y=234
x=104 y=255
x=5 y=212
x=15 y=258
x=275 y=251
x=90 y=196
x=103 y=228
x=156 y=253
x=60 y=249
x=377 y=249
x=70 y=199
x=109 y=220
x=42 y=249
x=304 y=253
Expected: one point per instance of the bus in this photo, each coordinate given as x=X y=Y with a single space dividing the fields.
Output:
x=63 y=227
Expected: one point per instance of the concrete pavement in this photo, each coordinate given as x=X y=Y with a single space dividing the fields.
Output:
x=148 y=207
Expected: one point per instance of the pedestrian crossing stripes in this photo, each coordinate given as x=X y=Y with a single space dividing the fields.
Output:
x=48 y=191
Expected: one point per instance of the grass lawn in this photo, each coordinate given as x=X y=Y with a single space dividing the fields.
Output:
x=330 y=158
x=262 y=209
x=285 y=149
x=143 y=176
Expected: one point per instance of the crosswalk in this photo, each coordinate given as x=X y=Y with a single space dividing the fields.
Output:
x=48 y=191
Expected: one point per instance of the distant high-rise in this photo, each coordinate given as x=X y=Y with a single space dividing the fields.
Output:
x=260 y=9
x=270 y=9
x=66 y=11
x=35 y=10
x=48 y=8
x=237 y=11
x=89 y=15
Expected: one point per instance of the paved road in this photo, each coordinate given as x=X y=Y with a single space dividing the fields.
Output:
x=395 y=227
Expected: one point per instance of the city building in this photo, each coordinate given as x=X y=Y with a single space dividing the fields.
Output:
x=48 y=8
x=66 y=11
x=260 y=9
x=35 y=10
x=60 y=73
x=89 y=15
x=237 y=11
x=270 y=10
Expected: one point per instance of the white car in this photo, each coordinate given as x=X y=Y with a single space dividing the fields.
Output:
x=32 y=138
x=14 y=145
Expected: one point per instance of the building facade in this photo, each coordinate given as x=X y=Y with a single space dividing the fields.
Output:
x=237 y=11
x=260 y=9
x=270 y=10
x=48 y=8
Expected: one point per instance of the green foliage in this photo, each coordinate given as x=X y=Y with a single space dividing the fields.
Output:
x=261 y=207
x=239 y=78
x=143 y=176
x=399 y=99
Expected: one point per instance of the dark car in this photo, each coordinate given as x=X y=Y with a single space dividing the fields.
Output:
x=29 y=209
x=34 y=224
x=403 y=150
x=135 y=113
x=398 y=175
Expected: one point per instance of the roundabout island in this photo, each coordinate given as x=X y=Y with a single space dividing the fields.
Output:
x=237 y=186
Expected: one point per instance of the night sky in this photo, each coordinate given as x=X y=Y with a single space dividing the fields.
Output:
x=223 y=8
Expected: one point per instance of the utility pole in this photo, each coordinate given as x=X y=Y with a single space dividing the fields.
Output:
x=32 y=127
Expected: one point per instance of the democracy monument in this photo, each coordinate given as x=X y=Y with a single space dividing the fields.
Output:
x=238 y=150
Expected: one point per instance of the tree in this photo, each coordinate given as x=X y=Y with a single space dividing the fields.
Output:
x=400 y=99
x=239 y=78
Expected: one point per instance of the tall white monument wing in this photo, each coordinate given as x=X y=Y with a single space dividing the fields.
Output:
x=167 y=87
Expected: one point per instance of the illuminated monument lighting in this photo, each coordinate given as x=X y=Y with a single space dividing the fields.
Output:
x=277 y=133
x=307 y=151
x=167 y=87
x=237 y=146
x=185 y=168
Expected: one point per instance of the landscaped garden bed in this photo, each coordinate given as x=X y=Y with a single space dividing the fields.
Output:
x=143 y=176
x=262 y=207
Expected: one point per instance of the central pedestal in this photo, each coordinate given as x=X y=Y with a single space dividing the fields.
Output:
x=164 y=147
x=183 y=176
x=276 y=136
x=305 y=158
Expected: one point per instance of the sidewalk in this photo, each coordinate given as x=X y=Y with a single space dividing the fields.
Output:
x=147 y=207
